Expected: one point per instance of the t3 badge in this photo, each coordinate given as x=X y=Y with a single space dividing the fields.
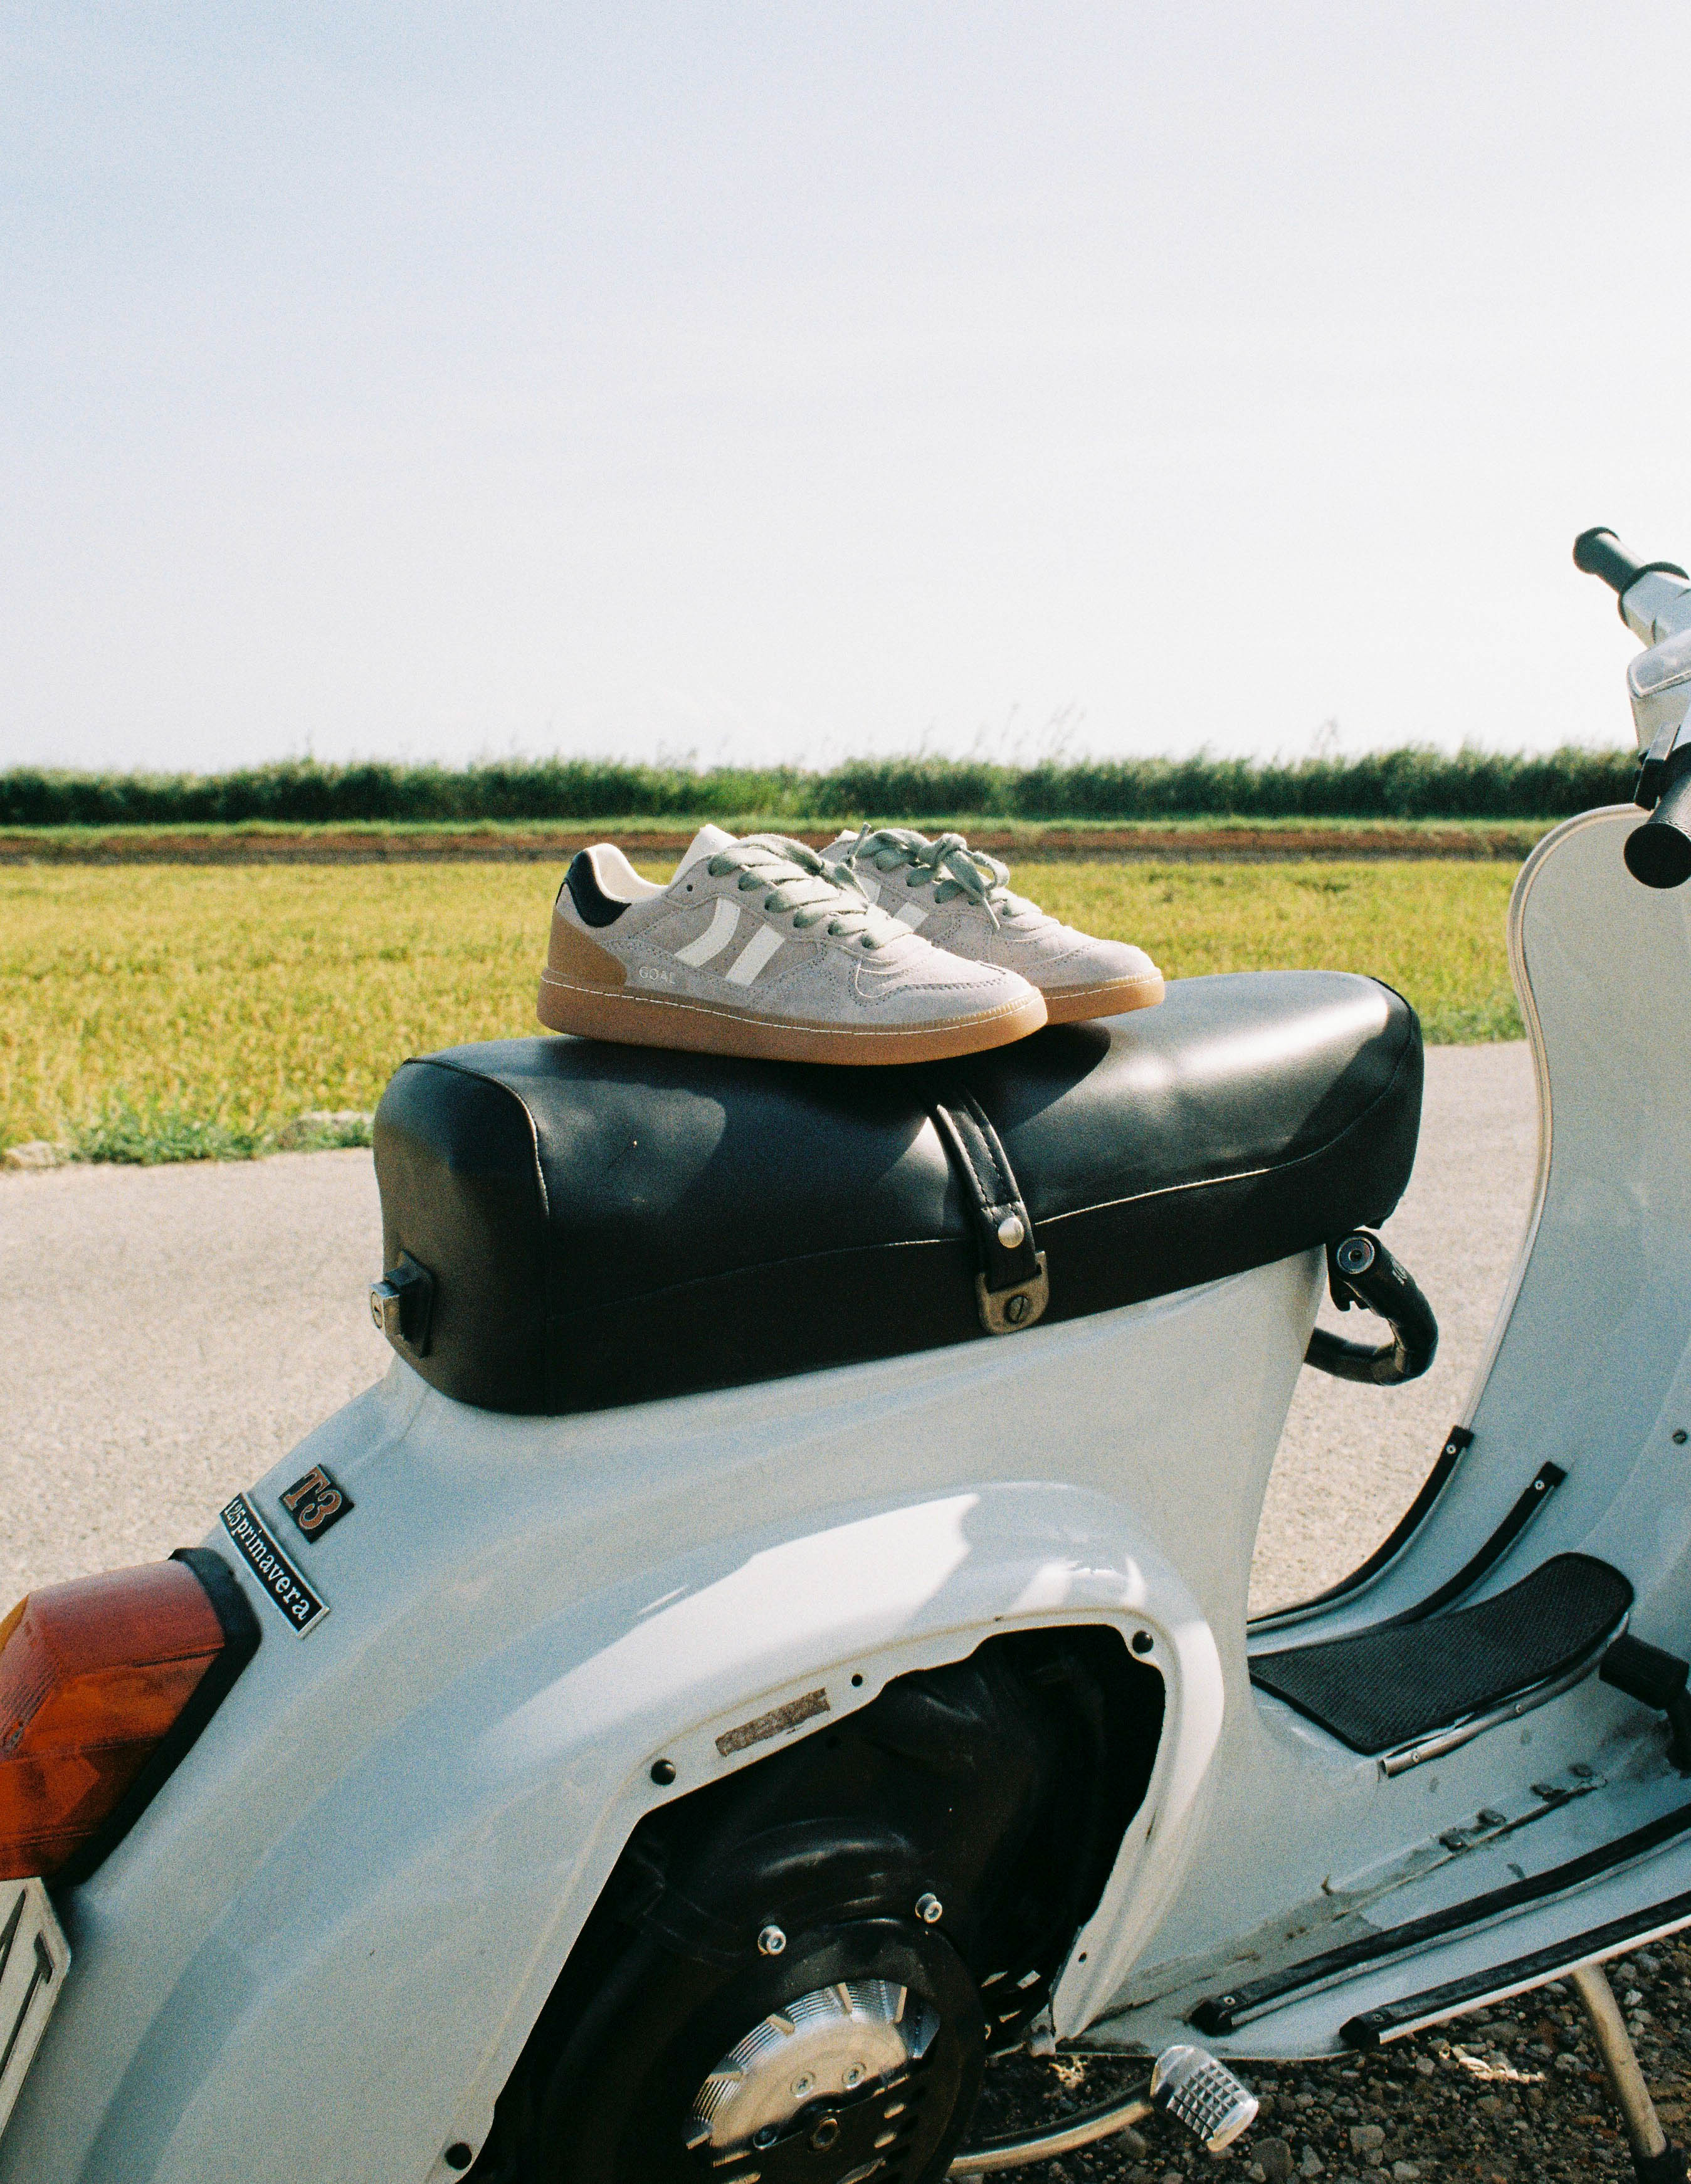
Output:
x=315 y=1502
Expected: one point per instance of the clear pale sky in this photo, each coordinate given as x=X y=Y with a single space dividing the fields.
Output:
x=785 y=381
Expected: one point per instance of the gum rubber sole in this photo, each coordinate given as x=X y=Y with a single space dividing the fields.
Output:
x=1080 y=1003
x=590 y=1012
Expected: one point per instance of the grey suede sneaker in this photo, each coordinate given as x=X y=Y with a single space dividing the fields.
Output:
x=958 y=897
x=758 y=947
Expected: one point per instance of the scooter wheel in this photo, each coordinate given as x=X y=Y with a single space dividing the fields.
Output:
x=783 y=1975
x=859 y=2047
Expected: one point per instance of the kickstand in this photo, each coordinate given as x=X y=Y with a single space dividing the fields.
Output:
x=1655 y=2161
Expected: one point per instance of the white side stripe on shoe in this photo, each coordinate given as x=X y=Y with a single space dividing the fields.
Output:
x=715 y=937
x=753 y=956
x=910 y=915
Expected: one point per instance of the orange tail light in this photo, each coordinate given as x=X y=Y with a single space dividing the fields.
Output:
x=104 y=1684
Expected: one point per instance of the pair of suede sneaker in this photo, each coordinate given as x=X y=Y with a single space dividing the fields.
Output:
x=887 y=947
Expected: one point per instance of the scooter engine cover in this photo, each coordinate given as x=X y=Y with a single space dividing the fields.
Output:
x=607 y=1224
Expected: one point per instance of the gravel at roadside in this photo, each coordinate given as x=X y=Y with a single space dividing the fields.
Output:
x=1515 y=2093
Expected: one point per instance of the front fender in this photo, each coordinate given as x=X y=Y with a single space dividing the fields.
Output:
x=322 y=1950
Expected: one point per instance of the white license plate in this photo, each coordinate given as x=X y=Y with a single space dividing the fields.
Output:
x=34 y=1958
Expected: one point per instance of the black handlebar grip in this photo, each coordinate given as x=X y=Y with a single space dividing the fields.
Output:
x=1659 y=853
x=1599 y=553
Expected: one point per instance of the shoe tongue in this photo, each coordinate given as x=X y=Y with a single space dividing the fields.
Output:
x=705 y=843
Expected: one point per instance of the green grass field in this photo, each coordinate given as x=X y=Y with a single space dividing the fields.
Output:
x=175 y=1012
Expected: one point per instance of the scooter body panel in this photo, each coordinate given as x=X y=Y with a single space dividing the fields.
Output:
x=321 y=1948
x=1589 y=1367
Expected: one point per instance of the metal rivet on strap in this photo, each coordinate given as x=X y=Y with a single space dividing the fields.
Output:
x=1011 y=1232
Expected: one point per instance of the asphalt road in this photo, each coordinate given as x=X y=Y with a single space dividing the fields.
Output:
x=167 y=1333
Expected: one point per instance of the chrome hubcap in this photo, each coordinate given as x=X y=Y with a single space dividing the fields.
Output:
x=836 y=2044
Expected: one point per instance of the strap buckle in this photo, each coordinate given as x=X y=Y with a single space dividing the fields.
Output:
x=1012 y=1288
x=1008 y=1312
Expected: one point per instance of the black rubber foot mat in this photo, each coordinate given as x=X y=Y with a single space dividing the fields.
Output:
x=1379 y=1689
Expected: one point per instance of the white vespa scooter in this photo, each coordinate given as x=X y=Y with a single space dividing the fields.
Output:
x=777 y=1637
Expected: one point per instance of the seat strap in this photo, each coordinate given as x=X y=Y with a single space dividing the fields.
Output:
x=1012 y=1287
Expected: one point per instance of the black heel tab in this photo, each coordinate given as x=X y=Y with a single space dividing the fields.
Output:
x=593 y=905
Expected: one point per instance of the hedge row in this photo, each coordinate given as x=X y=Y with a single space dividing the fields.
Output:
x=1414 y=782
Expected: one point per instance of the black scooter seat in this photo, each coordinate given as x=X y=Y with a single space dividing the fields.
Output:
x=607 y=1224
